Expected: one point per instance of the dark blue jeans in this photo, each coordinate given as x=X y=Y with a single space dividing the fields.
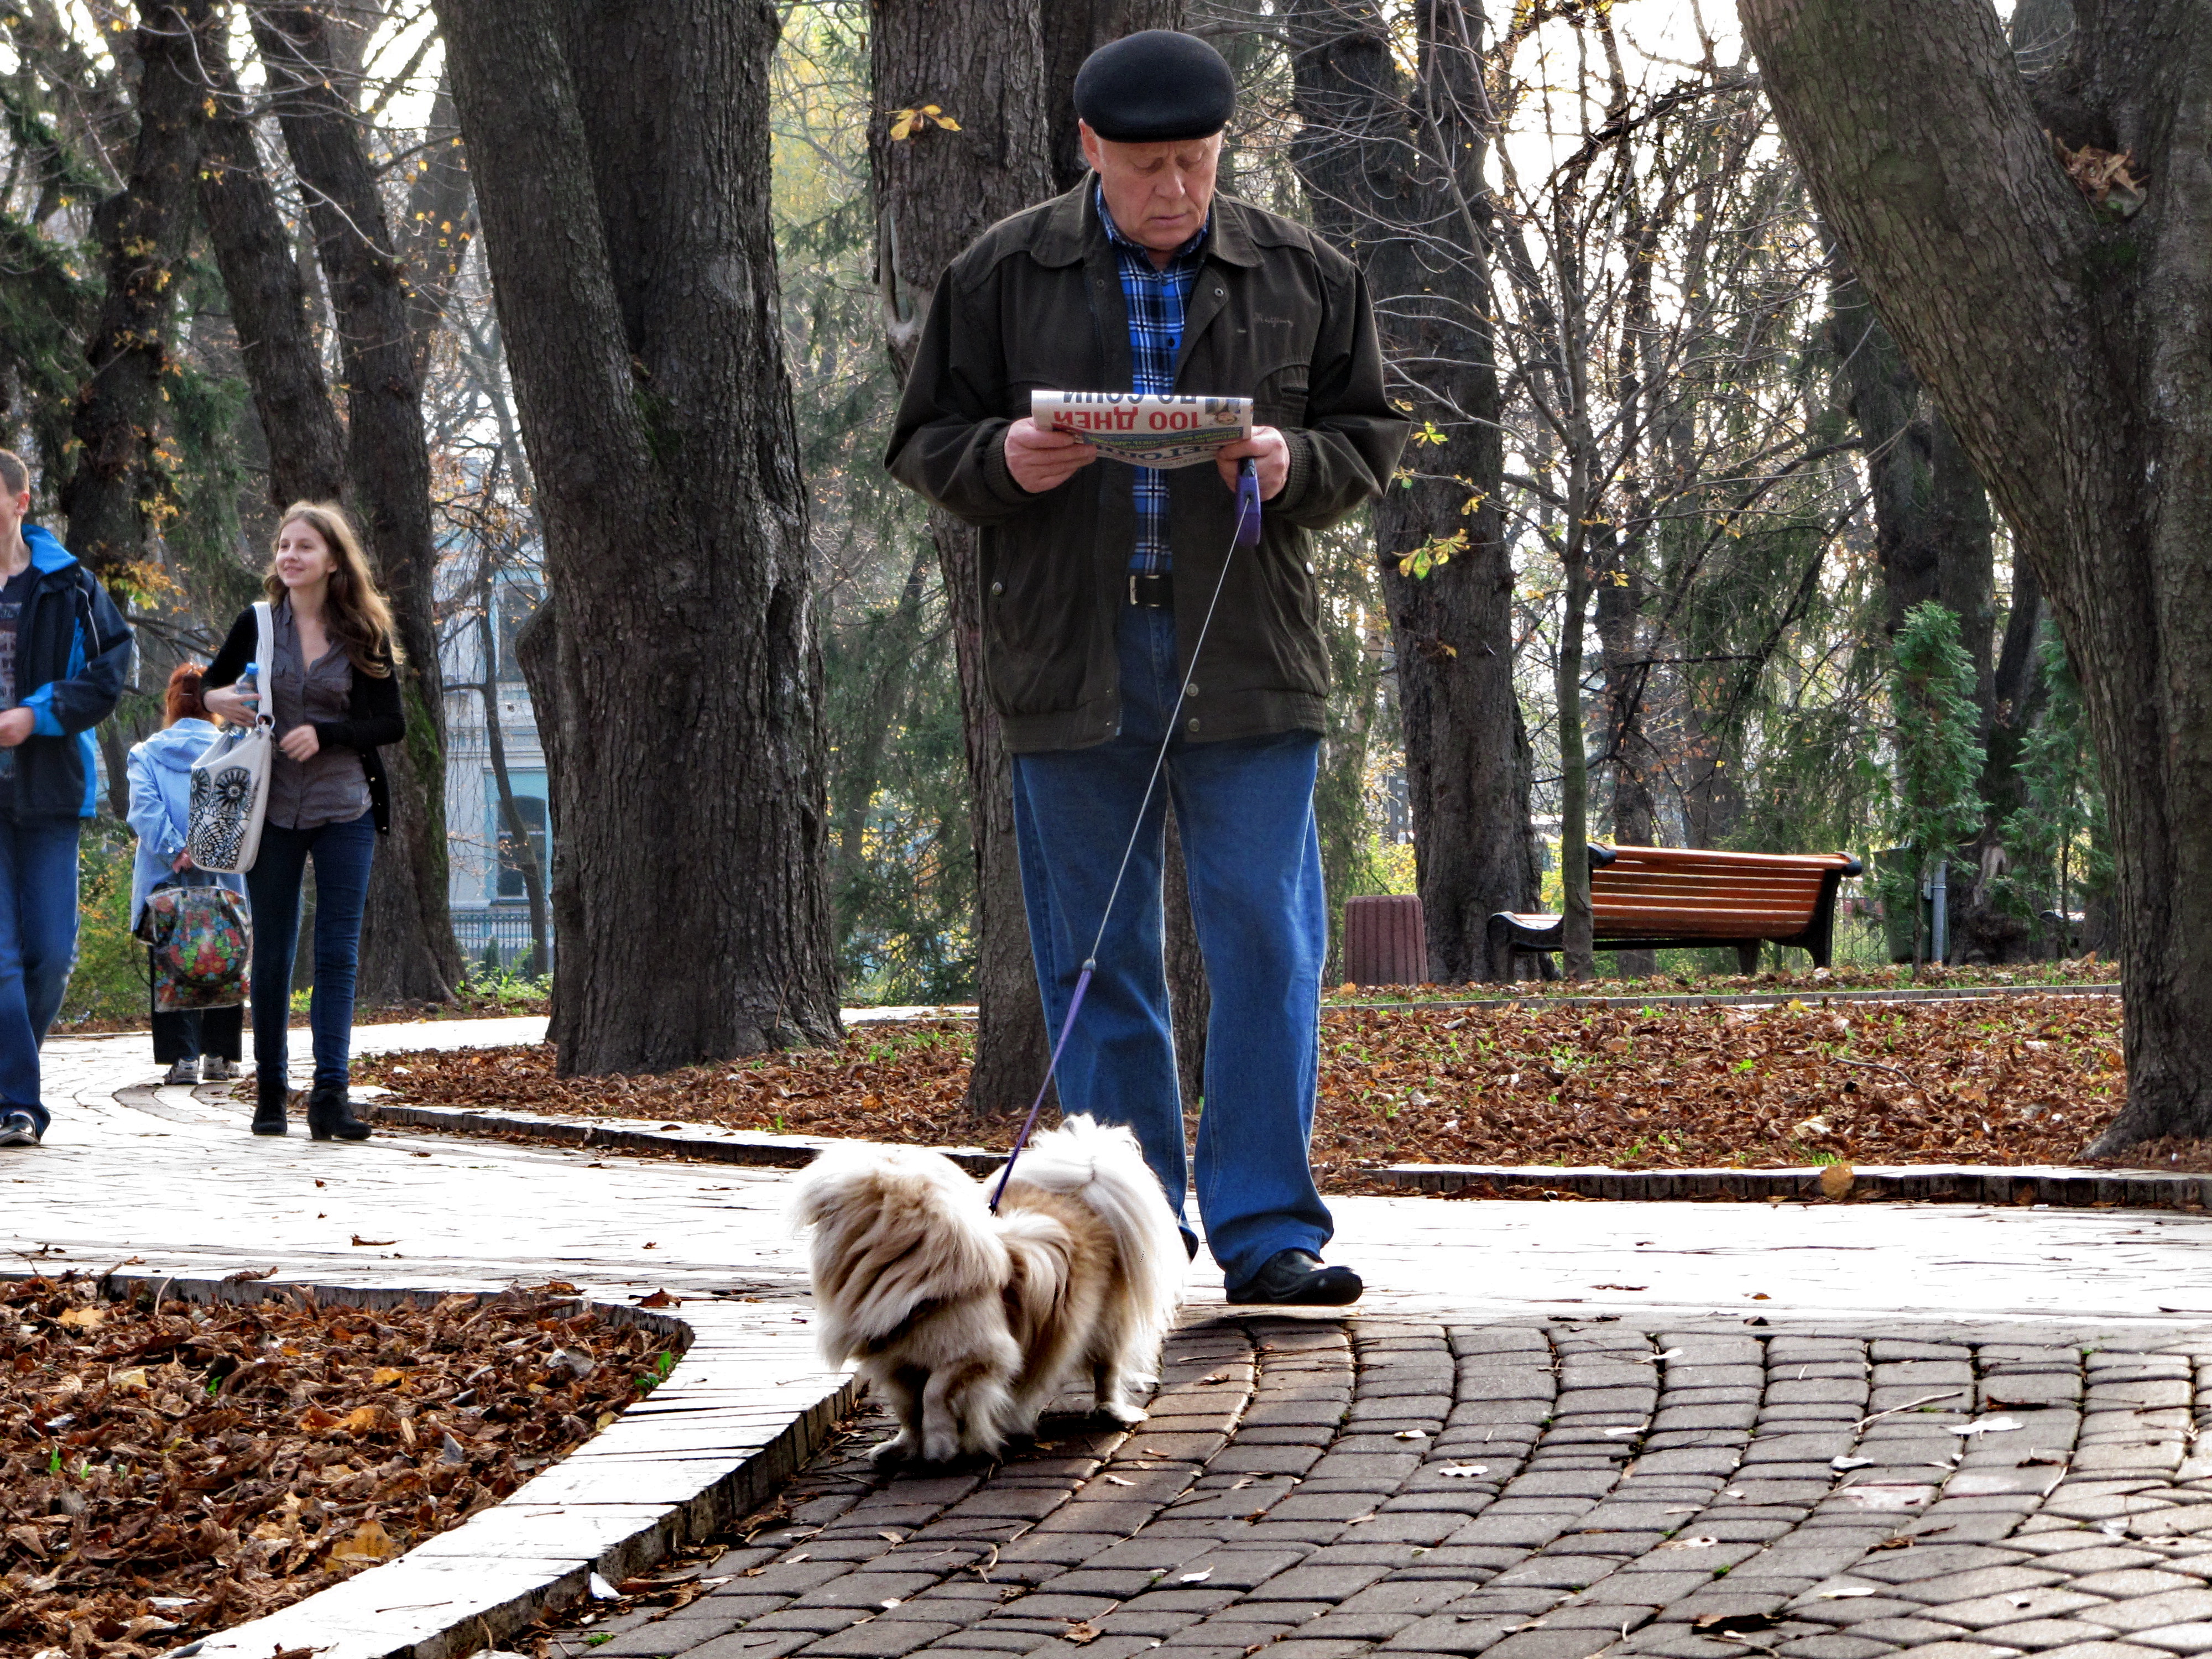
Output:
x=38 y=948
x=342 y=852
x=1245 y=811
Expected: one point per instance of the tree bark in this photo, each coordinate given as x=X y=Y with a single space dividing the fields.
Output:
x=1392 y=173
x=1630 y=760
x=1073 y=29
x=936 y=191
x=516 y=833
x=268 y=298
x=676 y=671
x=408 y=951
x=2064 y=339
x=118 y=495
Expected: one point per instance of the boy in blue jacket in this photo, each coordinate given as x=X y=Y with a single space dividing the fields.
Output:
x=64 y=649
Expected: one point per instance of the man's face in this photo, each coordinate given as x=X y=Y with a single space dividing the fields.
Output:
x=1159 y=193
x=13 y=509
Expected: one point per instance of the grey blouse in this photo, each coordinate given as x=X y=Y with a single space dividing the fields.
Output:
x=332 y=786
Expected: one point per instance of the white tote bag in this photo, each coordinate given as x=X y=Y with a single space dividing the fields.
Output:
x=230 y=780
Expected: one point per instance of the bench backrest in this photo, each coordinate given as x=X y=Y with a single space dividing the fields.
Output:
x=1649 y=891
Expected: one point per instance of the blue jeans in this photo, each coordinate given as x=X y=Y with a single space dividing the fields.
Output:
x=1245 y=810
x=342 y=852
x=38 y=948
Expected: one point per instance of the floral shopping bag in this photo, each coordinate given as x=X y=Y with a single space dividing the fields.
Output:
x=203 y=939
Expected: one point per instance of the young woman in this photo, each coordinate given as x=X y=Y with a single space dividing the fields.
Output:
x=160 y=811
x=335 y=702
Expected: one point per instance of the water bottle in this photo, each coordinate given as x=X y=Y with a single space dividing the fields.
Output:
x=249 y=685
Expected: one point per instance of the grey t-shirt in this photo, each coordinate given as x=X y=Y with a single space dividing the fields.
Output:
x=331 y=788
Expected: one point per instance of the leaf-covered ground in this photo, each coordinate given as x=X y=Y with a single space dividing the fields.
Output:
x=168 y=1472
x=2021 y=1079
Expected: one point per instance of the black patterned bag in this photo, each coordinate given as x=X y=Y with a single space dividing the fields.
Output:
x=230 y=780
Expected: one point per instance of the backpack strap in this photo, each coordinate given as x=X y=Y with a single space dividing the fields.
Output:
x=265 y=660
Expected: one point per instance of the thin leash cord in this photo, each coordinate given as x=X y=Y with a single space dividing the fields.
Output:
x=1152 y=783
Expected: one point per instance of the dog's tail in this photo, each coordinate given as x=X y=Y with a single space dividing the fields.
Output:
x=895 y=1228
x=1105 y=1169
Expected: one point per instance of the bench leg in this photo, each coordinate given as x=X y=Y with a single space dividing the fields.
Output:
x=1747 y=958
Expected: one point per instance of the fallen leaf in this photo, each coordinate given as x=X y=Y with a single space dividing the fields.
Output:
x=1837 y=1181
x=1198 y=1577
x=372 y=1244
x=366 y=1542
x=1470 y=1470
x=1079 y=1633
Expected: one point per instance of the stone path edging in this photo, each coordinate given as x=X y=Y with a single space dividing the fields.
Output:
x=639 y=1135
x=2055 y=1185
x=1952 y=1183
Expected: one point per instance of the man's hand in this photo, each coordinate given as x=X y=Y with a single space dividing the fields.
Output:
x=1271 y=454
x=15 y=727
x=1040 y=459
x=301 y=743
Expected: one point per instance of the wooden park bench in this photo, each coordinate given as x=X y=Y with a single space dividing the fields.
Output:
x=1649 y=898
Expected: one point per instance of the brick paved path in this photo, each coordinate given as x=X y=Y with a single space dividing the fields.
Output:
x=1323 y=1489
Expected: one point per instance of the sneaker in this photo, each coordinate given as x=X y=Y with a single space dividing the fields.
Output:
x=1296 y=1279
x=19 y=1129
x=213 y=1070
x=183 y=1070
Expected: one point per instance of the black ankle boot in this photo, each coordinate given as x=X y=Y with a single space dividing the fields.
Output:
x=330 y=1115
x=270 y=1097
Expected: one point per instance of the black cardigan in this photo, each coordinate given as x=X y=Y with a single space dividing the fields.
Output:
x=374 y=716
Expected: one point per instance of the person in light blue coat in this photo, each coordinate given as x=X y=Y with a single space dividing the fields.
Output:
x=199 y=1043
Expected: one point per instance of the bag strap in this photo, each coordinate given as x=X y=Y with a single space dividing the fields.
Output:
x=265 y=660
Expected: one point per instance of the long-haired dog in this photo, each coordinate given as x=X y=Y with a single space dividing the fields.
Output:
x=967 y=1324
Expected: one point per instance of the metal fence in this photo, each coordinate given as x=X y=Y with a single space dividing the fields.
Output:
x=497 y=937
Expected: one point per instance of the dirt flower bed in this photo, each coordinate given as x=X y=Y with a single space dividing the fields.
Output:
x=2024 y=1080
x=167 y=1472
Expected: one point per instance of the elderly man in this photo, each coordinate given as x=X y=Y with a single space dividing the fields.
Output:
x=1095 y=583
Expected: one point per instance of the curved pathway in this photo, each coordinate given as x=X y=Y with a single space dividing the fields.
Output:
x=1326 y=1489
x=1551 y=1430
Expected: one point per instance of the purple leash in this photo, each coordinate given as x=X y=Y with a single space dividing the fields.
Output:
x=1247 y=535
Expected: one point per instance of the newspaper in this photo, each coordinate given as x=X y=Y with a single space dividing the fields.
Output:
x=1144 y=431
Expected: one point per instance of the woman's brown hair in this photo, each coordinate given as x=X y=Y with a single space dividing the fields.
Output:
x=356 y=611
x=181 y=700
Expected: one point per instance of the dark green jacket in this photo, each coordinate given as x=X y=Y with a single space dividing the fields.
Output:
x=1036 y=304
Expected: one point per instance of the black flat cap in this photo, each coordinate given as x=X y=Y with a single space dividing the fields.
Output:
x=1155 y=85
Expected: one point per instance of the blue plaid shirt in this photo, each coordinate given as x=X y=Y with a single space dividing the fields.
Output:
x=1156 y=297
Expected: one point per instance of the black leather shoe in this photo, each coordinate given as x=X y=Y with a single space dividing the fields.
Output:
x=1296 y=1279
x=268 y=1107
x=330 y=1117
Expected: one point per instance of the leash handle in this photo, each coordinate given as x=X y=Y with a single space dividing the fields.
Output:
x=1248 y=504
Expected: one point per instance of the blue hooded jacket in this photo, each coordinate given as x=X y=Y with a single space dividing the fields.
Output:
x=72 y=655
x=161 y=806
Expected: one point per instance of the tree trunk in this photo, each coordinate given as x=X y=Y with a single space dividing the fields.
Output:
x=516 y=832
x=682 y=710
x=1073 y=29
x=268 y=297
x=1630 y=760
x=118 y=494
x=1393 y=174
x=936 y=191
x=408 y=951
x=2064 y=339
